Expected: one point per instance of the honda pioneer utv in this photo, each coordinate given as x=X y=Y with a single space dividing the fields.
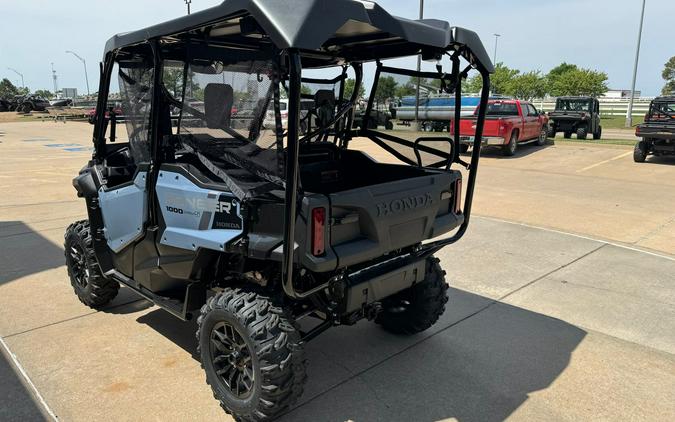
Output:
x=269 y=237
x=580 y=115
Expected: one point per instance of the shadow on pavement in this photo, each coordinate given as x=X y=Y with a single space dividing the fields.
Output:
x=663 y=159
x=25 y=252
x=523 y=151
x=16 y=402
x=480 y=368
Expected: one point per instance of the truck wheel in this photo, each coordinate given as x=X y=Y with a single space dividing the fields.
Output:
x=543 y=134
x=26 y=108
x=640 y=152
x=252 y=354
x=567 y=135
x=581 y=133
x=598 y=134
x=388 y=125
x=416 y=308
x=509 y=150
x=551 y=132
x=90 y=285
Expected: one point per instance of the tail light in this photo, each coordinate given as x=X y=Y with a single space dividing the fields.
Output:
x=457 y=208
x=637 y=131
x=318 y=225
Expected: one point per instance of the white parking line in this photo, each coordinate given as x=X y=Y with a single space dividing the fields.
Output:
x=618 y=245
x=605 y=162
x=28 y=381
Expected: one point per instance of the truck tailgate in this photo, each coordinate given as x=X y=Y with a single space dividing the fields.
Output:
x=371 y=221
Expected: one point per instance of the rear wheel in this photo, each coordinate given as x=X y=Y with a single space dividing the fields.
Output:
x=26 y=108
x=418 y=307
x=640 y=152
x=543 y=134
x=509 y=149
x=598 y=133
x=567 y=135
x=551 y=132
x=252 y=354
x=389 y=125
x=90 y=285
x=581 y=133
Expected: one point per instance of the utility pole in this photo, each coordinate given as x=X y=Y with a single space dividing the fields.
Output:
x=56 y=85
x=23 y=85
x=494 y=57
x=187 y=3
x=629 y=113
x=84 y=63
x=417 y=87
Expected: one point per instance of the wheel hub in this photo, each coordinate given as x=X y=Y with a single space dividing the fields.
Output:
x=232 y=360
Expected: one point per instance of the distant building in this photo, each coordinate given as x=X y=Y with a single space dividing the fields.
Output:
x=69 y=92
x=620 y=93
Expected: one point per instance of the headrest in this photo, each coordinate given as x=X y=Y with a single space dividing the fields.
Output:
x=218 y=100
x=324 y=97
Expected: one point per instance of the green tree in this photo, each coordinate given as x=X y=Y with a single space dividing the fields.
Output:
x=386 y=89
x=668 y=75
x=501 y=80
x=527 y=86
x=305 y=90
x=579 y=82
x=8 y=89
x=349 y=89
x=44 y=93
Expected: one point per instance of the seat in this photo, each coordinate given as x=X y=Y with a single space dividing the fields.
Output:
x=324 y=103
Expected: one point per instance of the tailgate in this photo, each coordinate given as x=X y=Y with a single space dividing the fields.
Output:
x=371 y=221
x=467 y=128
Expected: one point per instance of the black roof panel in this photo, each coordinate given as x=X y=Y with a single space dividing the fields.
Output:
x=313 y=24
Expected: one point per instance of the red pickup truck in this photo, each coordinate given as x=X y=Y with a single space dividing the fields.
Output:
x=507 y=123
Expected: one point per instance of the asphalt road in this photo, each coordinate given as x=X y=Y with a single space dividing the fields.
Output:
x=541 y=324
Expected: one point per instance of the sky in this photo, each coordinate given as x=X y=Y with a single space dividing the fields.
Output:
x=535 y=34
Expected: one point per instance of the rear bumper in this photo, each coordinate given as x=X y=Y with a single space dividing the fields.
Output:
x=485 y=140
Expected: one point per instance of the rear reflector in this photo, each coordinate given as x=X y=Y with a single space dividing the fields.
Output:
x=458 y=197
x=318 y=225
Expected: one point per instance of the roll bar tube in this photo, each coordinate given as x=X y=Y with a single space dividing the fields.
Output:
x=291 y=198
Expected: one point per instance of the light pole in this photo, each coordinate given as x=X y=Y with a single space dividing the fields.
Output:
x=629 y=113
x=187 y=3
x=56 y=85
x=84 y=63
x=417 y=87
x=494 y=57
x=18 y=73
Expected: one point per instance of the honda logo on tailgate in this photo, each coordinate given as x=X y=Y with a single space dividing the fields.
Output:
x=398 y=206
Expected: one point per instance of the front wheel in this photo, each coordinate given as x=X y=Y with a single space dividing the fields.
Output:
x=598 y=134
x=92 y=287
x=252 y=354
x=416 y=308
x=640 y=152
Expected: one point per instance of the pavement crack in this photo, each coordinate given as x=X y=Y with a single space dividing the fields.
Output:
x=108 y=309
x=541 y=277
x=653 y=232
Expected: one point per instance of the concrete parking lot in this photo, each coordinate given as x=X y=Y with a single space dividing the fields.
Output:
x=562 y=305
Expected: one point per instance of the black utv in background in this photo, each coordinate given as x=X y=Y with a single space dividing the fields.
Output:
x=32 y=103
x=657 y=131
x=580 y=115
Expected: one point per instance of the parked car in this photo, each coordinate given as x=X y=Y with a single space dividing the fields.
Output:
x=306 y=105
x=657 y=131
x=580 y=115
x=507 y=124
x=91 y=114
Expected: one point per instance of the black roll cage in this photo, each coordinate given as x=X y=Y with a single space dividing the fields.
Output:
x=293 y=64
